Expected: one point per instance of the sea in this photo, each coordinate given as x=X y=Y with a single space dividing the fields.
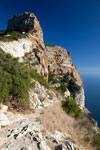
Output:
x=92 y=95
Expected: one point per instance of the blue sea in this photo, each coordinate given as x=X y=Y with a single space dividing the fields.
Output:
x=92 y=95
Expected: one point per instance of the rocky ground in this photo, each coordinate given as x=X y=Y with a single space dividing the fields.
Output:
x=26 y=132
x=48 y=128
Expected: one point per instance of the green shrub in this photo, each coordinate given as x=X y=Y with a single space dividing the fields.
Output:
x=7 y=37
x=39 y=78
x=14 y=78
x=71 y=107
x=52 y=79
x=32 y=85
x=62 y=88
x=96 y=141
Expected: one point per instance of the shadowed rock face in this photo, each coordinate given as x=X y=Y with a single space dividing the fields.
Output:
x=21 y=23
x=60 y=65
x=27 y=23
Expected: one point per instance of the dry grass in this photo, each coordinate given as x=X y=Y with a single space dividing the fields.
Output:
x=54 y=118
x=19 y=105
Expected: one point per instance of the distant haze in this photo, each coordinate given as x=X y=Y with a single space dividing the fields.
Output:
x=89 y=71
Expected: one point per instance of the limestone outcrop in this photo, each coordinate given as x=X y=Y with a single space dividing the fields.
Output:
x=60 y=65
x=32 y=51
x=28 y=134
x=28 y=24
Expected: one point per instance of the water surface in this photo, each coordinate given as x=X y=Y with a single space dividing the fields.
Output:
x=92 y=95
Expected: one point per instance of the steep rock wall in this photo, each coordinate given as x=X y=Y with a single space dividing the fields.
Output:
x=27 y=23
x=60 y=65
x=32 y=50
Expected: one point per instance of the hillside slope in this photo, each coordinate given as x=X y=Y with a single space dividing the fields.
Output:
x=54 y=116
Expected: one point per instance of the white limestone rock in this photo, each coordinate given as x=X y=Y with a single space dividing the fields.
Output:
x=3 y=108
x=67 y=93
x=80 y=98
x=43 y=146
x=17 y=48
x=4 y=121
x=59 y=136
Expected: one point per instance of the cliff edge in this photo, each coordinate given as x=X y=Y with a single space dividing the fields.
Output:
x=42 y=102
x=53 y=59
x=60 y=65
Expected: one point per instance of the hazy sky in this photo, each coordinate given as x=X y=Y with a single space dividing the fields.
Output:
x=73 y=24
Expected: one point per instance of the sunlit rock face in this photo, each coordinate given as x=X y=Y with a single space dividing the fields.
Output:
x=60 y=65
x=44 y=59
x=28 y=24
x=17 y=48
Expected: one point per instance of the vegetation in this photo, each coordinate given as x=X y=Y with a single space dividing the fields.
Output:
x=7 y=37
x=52 y=79
x=62 y=88
x=96 y=141
x=14 y=78
x=71 y=107
x=15 y=81
x=39 y=78
x=50 y=45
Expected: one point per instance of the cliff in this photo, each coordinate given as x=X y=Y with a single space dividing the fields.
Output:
x=60 y=65
x=27 y=23
x=55 y=87
x=54 y=59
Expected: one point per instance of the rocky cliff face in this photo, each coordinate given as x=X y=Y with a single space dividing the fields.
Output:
x=27 y=23
x=32 y=51
x=49 y=127
x=60 y=65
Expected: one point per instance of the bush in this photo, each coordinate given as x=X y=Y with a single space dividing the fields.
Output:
x=14 y=78
x=52 y=79
x=7 y=37
x=62 y=88
x=39 y=78
x=71 y=107
x=96 y=141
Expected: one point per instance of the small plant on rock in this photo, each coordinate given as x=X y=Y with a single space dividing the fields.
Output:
x=96 y=141
x=71 y=107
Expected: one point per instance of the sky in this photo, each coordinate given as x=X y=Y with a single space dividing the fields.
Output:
x=73 y=24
